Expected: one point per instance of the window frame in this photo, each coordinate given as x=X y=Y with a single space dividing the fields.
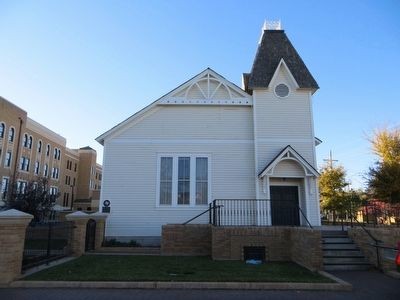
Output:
x=192 y=200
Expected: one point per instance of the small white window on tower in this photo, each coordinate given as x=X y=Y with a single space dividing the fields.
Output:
x=281 y=90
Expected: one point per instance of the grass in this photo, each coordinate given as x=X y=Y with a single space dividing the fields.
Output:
x=162 y=268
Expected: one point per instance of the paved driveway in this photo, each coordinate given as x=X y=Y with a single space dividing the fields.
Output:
x=367 y=285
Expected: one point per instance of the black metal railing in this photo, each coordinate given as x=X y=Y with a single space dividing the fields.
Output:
x=46 y=241
x=372 y=214
x=256 y=212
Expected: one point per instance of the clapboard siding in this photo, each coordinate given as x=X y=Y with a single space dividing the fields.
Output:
x=288 y=168
x=207 y=122
x=131 y=180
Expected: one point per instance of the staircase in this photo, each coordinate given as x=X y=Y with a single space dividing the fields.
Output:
x=340 y=253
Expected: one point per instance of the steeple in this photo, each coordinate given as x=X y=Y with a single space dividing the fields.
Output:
x=274 y=46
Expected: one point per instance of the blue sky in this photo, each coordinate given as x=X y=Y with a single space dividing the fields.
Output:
x=81 y=67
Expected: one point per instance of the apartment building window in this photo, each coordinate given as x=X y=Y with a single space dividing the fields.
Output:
x=30 y=141
x=46 y=170
x=47 y=150
x=39 y=147
x=66 y=200
x=99 y=176
x=54 y=173
x=183 y=180
x=4 y=187
x=53 y=191
x=21 y=186
x=24 y=163
x=73 y=182
x=7 y=161
x=55 y=153
x=25 y=141
x=75 y=167
x=59 y=154
x=37 y=167
x=11 y=134
x=2 y=129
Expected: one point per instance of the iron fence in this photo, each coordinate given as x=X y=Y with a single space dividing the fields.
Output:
x=46 y=241
x=374 y=213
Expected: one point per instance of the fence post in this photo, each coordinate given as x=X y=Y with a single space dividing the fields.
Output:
x=13 y=225
x=100 y=219
x=80 y=220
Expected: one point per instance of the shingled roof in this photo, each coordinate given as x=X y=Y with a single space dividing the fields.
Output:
x=275 y=46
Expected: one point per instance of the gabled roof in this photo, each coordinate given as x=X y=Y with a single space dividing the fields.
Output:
x=172 y=97
x=274 y=47
x=289 y=153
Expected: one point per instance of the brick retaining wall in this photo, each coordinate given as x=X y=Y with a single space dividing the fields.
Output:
x=190 y=240
x=298 y=244
x=390 y=236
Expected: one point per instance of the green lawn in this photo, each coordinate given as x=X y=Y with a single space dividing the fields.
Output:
x=164 y=268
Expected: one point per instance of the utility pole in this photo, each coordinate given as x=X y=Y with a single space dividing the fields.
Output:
x=330 y=160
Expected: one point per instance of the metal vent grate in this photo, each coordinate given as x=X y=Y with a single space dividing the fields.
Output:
x=282 y=90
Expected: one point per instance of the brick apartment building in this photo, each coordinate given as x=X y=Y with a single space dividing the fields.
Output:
x=29 y=150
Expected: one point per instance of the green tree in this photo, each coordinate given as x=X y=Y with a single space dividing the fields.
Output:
x=383 y=178
x=33 y=199
x=332 y=183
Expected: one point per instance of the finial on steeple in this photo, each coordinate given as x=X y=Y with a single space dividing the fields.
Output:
x=270 y=25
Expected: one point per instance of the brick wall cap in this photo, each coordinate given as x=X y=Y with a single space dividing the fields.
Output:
x=77 y=215
x=98 y=216
x=13 y=216
x=13 y=213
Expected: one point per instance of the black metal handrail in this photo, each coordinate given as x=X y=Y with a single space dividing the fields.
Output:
x=202 y=213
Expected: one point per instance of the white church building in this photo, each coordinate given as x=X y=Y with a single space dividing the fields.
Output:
x=247 y=153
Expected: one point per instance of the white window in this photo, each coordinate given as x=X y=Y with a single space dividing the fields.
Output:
x=37 y=167
x=166 y=181
x=4 y=187
x=24 y=163
x=21 y=186
x=46 y=170
x=183 y=180
x=2 y=129
x=7 y=161
x=11 y=135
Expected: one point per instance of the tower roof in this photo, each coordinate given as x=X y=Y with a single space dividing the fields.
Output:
x=274 y=45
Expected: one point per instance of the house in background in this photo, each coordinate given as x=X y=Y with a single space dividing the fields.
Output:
x=210 y=139
x=29 y=150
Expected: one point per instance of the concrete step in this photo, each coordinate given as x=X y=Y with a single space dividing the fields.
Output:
x=333 y=233
x=341 y=246
x=343 y=252
x=344 y=260
x=336 y=240
x=345 y=267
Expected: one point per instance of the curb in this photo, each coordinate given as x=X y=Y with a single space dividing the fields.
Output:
x=184 y=285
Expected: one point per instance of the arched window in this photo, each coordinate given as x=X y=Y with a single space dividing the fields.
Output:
x=30 y=140
x=39 y=146
x=11 y=135
x=2 y=129
x=59 y=154
x=25 y=141
x=55 y=153
x=47 y=150
x=46 y=170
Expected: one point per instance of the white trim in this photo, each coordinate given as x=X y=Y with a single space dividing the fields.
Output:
x=282 y=62
x=192 y=201
x=178 y=141
x=285 y=156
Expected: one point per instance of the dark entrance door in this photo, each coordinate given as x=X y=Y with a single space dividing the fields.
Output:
x=90 y=235
x=285 y=205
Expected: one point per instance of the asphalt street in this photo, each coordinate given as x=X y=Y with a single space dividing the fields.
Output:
x=367 y=285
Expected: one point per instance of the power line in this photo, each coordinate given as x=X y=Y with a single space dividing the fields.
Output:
x=330 y=160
